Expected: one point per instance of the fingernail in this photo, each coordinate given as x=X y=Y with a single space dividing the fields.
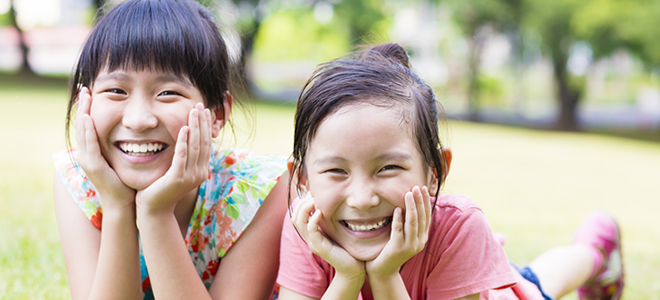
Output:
x=195 y=113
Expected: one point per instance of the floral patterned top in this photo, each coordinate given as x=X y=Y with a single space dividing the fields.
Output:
x=227 y=201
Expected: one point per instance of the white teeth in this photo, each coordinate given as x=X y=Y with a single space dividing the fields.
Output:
x=140 y=148
x=367 y=227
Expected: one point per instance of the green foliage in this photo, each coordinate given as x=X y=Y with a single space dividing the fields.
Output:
x=294 y=34
x=491 y=88
x=472 y=14
x=5 y=19
x=363 y=19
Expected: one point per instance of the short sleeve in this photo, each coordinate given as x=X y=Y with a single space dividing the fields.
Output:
x=238 y=183
x=469 y=259
x=79 y=186
x=301 y=270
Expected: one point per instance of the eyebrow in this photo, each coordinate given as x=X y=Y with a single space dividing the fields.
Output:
x=389 y=156
x=120 y=76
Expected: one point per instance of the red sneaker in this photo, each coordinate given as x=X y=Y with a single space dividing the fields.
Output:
x=601 y=231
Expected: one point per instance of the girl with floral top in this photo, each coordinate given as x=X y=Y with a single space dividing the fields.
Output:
x=146 y=206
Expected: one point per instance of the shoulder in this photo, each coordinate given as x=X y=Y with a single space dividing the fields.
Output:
x=238 y=183
x=243 y=163
x=457 y=209
x=464 y=257
x=457 y=223
x=78 y=185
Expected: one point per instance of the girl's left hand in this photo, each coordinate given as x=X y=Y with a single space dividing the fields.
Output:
x=406 y=239
x=190 y=165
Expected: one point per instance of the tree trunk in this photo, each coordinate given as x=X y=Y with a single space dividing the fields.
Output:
x=473 y=84
x=568 y=99
x=476 y=46
x=25 y=69
x=245 y=84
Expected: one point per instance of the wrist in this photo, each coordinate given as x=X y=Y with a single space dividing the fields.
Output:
x=385 y=277
x=124 y=214
x=349 y=282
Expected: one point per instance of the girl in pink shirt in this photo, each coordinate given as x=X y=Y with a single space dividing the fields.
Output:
x=370 y=222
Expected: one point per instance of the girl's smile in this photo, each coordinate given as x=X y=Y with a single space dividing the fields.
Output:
x=138 y=115
x=358 y=177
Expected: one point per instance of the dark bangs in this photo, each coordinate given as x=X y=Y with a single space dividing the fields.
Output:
x=170 y=36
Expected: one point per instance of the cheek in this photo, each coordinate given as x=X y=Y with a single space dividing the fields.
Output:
x=105 y=118
x=396 y=189
x=174 y=121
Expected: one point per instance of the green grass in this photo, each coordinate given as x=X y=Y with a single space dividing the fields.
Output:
x=534 y=186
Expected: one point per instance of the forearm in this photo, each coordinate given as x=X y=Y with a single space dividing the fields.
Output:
x=390 y=287
x=171 y=271
x=343 y=287
x=118 y=269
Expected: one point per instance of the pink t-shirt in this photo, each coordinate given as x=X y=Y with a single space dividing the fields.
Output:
x=461 y=258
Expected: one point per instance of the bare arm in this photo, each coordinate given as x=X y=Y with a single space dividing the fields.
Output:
x=248 y=271
x=100 y=265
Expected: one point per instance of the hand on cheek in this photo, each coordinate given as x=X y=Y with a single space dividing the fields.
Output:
x=308 y=227
x=190 y=165
x=112 y=191
x=407 y=238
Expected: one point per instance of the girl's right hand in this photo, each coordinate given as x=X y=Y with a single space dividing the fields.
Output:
x=112 y=191
x=308 y=226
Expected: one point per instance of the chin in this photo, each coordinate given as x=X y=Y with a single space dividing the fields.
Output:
x=137 y=182
x=366 y=253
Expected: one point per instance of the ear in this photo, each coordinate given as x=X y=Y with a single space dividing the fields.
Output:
x=446 y=156
x=220 y=119
x=299 y=181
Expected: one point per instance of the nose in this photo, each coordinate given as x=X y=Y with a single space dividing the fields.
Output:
x=362 y=195
x=139 y=115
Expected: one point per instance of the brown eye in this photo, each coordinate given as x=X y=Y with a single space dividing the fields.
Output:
x=115 y=91
x=169 y=93
x=390 y=167
x=335 y=171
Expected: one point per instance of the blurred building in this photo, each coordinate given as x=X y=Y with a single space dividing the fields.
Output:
x=53 y=31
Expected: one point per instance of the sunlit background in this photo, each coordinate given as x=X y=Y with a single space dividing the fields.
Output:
x=558 y=64
x=553 y=107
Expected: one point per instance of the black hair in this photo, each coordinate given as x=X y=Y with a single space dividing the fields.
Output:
x=381 y=76
x=170 y=36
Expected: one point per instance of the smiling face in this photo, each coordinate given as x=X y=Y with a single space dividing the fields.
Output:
x=361 y=162
x=138 y=115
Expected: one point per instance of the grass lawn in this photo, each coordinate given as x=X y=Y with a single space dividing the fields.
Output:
x=534 y=186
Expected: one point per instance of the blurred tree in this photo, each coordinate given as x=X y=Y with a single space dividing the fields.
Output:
x=313 y=41
x=362 y=17
x=553 y=19
x=478 y=20
x=25 y=69
x=614 y=24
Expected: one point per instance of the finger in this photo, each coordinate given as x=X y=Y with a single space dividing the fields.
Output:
x=301 y=213
x=397 y=226
x=205 y=137
x=421 y=210
x=193 y=138
x=428 y=206
x=83 y=102
x=313 y=224
x=91 y=140
x=411 y=222
x=180 y=151
x=83 y=109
